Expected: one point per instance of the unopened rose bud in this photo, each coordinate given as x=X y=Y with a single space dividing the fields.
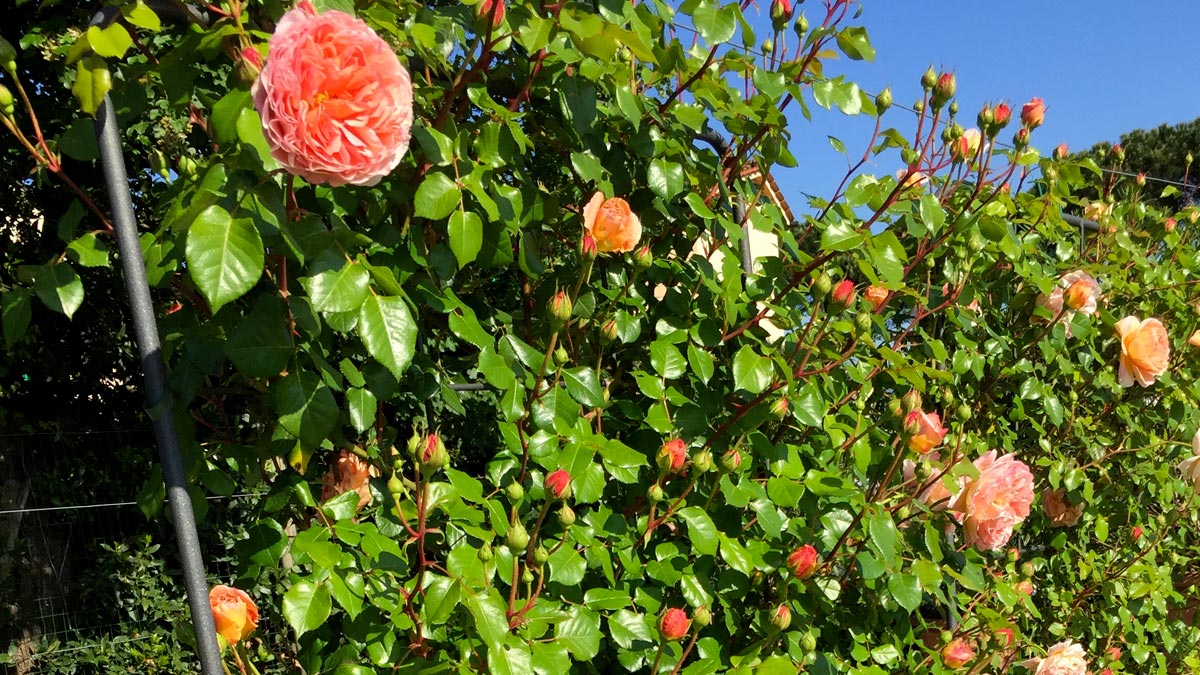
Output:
x=1021 y=138
x=560 y=309
x=781 y=618
x=821 y=286
x=1033 y=113
x=395 y=486
x=781 y=13
x=883 y=101
x=918 y=107
x=953 y=108
x=1027 y=570
x=768 y=46
x=801 y=25
x=655 y=493
x=1003 y=636
x=485 y=553
x=986 y=118
x=1136 y=533
x=1001 y=115
x=911 y=401
x=1060 y=152
x=7 y=103
x=514 y=491
x=540 y=555
x=527 y=576
x=493 y=9
x=929 y=79
x=957 y=653
x=842 y=297
x=1118 y=153
x=702 y=617
x=895 y=408
x=944 y=90
x=1141 y=179
x=731 y=460
x=1169 y=225
x=1188 y=159
x=703 y=462
x=802 y=561
x=433 y=455
x=672 y=455
x=608 y=331
x=779 y=409
x=808 y=643
x=863 y=324
x=558 y=484
x=566 y=516
x=517 y=538
x=674 y=624
x=587 y=247
x=643 y=258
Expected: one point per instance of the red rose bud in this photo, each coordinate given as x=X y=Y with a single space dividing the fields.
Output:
x=433 y=453
x=1001 y=115
x=1169 y=225
x=643 y=258
x=781 y=618
x=1021 y=138
x=560 y=309
x=957 y=653
x=1118 y=153
x=587 y=247
x=843 y=295
x=493 y=9
x=558 y=484
x=944 y=90
x=781 y=13
x=674 y=624
x=672 y=455
x=1060 y=152
x=1137 y=532
x=1004 y=636
x=731 y=460
x=249 y=65
x=1033 y=113
x=802 y=562
x=1141 y=179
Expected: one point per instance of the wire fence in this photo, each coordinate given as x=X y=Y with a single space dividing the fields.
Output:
x=85 y=578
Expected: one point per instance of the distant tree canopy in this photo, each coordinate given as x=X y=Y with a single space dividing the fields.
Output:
x=1161 y=152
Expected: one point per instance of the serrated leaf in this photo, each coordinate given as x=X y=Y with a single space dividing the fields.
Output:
x=224 y=255
x=579 y=632
x=59 y=288
x=388 y=331
x=341 y=286
x=92 y=83
x=466 y=236
x=584 y=386
x=306 y=406
x=437 y=197
x=701 y=530
x=751 y=372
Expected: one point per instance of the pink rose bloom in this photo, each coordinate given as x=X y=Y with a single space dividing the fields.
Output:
x=1076 y=291
x=996 y=501
x=1064 y=658
x=336 y=104
x=1145 y=351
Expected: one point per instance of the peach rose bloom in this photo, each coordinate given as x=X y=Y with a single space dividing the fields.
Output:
x=336 y=104
x=1059 y=510
x=1190 y=467
x=349 y=473
x=936 y=495
x=1076 y=291
x=1194 y=339
x=916 y=179
x=930 y=431
x=996 y=501
x=234 y=613
x=1145 y=351
x=957 y=653
x=612 y=224
x=1064 y=658
x=1097 y=210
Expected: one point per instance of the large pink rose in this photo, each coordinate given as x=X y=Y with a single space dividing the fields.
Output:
x=1076 y=291
x=1064 y=658
x=996 y=501
x=336 y=104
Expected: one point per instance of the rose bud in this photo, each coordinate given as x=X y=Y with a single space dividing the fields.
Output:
x=587 y=247
x=924 y=430
x=929 y=79
x=875 y=296
x=802 y=562
x=781 y=618
x=1033 y=112
x=1001 y=114
x=781 y=13
x=433 y=454
x=822 y=286
x=1141 y=179
x=1136 y=533
x=517 y=538
x=558 y=484
x=883 y=101
x=957 y=653
x=608 y=331
x=643 y=258
x=1004 y=636
x=674 y=624
x=1060 y=152
x=701 y=617
x=843 y=296
x=1169 y=225
x=944 y=90
x=731 y=460
x=493 y=9
x=560 y=309
x=779 y=409
x=672 y=455
x=234 y=613
x=566 y=516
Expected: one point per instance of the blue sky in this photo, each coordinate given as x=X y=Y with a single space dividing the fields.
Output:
x=1102 y=67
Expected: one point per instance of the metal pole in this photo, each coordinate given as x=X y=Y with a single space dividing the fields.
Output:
x=158 y=396
x=739 y=207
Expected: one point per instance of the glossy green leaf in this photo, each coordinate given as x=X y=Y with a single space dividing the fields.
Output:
x=388 y=331
x=224 y=255
x=306 y=606
x=59 y=288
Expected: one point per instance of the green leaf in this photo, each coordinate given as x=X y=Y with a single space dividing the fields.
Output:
x=889 y=257
x=906 y=589
x=701 y=362
x=17 y=311
x=715 y=23
x=362 y=405
x=59 y=288
x=751 y=372
x=932 y=213
x=141 y=16
x=88 y=251
x=261 y=344
x=437 y=197
x=224 y=255
x=809 y=406
x=348 y=588
x=488 y=611
x=263 y=545
x=306 y=606
x=701 y=530
x=92 y=83
x=388 y=331
x=665 y=178
x=567 y=567
x=466 y=236
x=441 y=597
x=112 y=40
x=579 y=633
x=884 y=536
x=584 y=386
x=840 y=236
x=339 y=286
x=306 y=407
x=854 y=43
x=667 y=360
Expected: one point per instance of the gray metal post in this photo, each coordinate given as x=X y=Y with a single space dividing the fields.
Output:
x=158 y=396
x=739 y=206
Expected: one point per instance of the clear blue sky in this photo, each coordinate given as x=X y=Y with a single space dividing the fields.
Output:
x=1102 y=67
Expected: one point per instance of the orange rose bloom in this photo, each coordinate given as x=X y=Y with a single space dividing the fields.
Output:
x=612 y=224
x=926 y=432
x=876 y=295
x=1145 y=351
x=234 y=613
x=957 y=653
x=1059 y=510
x=349 y=472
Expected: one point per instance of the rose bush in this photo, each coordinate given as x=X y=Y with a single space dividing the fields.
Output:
x=416 y=356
